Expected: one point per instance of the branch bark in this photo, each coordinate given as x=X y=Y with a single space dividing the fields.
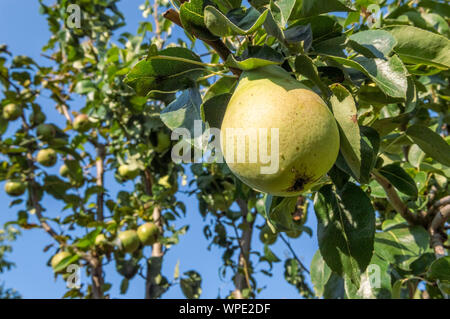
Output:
x=437 y=231
x=97 y=269
x=399 y=206
x=242 y=280
x=157 y=249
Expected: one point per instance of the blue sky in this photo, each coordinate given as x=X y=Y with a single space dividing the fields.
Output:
x=25 y=32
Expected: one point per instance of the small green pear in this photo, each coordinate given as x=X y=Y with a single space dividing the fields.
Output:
x=129 y=241
x=59 y=257
x=81 y=123
x=46 y=157
x=100 y=240
x=11 y=112
x=37 y=118
x=64 y=171
x=266 y=235
x=15 y=188
x=269 y=100
x=148 y=234
x=46 y=132
x=127 y=172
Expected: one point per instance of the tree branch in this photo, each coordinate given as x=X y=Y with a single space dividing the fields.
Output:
x=243 y=281
x=437 y=232
x=399 y=206
x=293 y=253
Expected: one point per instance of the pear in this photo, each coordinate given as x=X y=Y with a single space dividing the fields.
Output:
x=129 y=241
x=148 y=233
x=128 y=172
x=15 y=188
x=45 y=132
x=266 y=235
x=11 y=112
x=58 y=258
x=81 y=123
x=46 y=157
x=308 y=138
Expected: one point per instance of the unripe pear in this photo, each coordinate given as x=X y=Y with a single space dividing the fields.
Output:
x=148 y=234
x=15 y=188
x=64 y=171
x=100 y=240
x=129 y=241
x=58 y=258
x=11 y=112
x=37 y=118
x=125 y=171
x=266 y=235
x=81 y=123
x=294 y=233
x=308 y=138
x=45 y=132
x=46 y=157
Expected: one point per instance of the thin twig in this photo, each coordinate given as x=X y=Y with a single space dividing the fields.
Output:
x=293 y=253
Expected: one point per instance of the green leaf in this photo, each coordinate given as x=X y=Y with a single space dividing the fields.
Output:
x=400 y=179
x=389 y=74
x=184 y=112
x=345 y=230
x=430 y=142
x=344 y=110
x=316 y=7
x=240 y=21
x=278 y=212
x=305 y=66
x=285 y=7
x=320 y=273
x=66 y=262
x=417 y=46
x=402 y=245
x=255 y=57
x=386 y=125
x=375 y=282
x=223 y=85
x=163 y=74
x=191 y=285
x=124 y=286
x=322 y=27
x=193 y=20
x=440 y=269
x=415 y=155
x=373 y=43
x=213 y=110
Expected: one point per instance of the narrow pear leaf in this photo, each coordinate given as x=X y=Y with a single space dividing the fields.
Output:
x=402 y=245
x=345 y=230
x=373 y=43
x=213 y=110
x=418 y=46
x=192 y=19
x=296 y=39
x=164 y=74
x=255 y=57
x=440 y=270
x=344 y=110
x=221 y=86
x=191 y=284
x=415 y=155
x=400 y=179
x=240 y=21
x=286 y=7
x=307 y=8
x=375 y=282
x=430 y=142
x=320 y=273
x=184 y=112
x=305 y=66
x=389 y=74
x=322 y=27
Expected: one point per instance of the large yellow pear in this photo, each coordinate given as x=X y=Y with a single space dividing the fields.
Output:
x=308 y=138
